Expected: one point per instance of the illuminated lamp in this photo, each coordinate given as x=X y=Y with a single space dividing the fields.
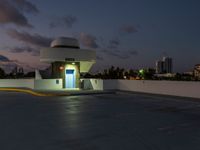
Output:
x=61 y=68
x=73 y=63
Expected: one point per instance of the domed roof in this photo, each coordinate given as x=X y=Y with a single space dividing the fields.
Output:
x=65 y=42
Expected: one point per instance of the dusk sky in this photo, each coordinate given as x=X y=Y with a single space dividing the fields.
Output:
x=129 y=33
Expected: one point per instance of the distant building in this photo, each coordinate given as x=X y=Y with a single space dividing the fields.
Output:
x=167 y=64
x=166 y=75
x=159 y=66
x=197 y=71
x=164 y=66
x=189 y=73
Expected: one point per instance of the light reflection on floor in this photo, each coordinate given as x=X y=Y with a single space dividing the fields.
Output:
x=109 y=121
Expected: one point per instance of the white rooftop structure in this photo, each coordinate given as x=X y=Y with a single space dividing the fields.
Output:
x=66 y=49
x=65 y=42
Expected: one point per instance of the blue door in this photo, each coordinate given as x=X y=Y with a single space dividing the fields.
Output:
x=70 y=79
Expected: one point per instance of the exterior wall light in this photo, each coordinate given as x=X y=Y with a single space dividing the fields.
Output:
x=61 y=68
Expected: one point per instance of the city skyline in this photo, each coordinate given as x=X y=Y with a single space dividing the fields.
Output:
x=165 y=65
x=133 y=34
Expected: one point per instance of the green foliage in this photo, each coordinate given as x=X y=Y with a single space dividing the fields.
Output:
x=113 y=73
x=2 y=73
x=147 y=74
x=30 y=74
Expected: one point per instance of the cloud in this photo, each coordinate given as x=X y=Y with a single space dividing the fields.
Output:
x=133 y=52
x=31 y=50
x=26 y=6
x=53 y=24
x=112 y=49
x=3 y=58
x=114 y=43
x=67 y=21
x=99 y=58
x=34 y=39
x=12 y=12
x=119 y=54
x=128 y=29
x=8 y=65
x=88 y=40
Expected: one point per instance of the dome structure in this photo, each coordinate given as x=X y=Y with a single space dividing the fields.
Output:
x=65 y=42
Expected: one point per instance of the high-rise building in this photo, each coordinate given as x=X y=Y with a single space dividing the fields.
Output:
x=167 y=64
x=164 y=65
x=159 y=66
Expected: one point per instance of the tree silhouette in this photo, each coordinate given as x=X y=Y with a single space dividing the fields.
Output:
x=2 y=73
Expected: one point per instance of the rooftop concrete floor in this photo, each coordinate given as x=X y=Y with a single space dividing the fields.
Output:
x=121 y=121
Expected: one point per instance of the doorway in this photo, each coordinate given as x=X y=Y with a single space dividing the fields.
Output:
x=70 y=78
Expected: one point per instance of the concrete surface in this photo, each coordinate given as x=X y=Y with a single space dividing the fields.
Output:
x=98 y=122
x=175 y=88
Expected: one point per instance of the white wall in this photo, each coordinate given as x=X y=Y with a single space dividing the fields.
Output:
x=49 y=84
x=92 y=84
x=175 y=88
x=17 y=83
x=110 y=84
x=86 y=57
x=97 y=84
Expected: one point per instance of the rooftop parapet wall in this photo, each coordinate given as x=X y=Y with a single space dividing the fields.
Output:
x=43 y=84
x=174 y=88
x=17 y=83
x=48 y=84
